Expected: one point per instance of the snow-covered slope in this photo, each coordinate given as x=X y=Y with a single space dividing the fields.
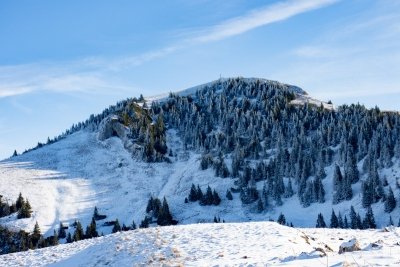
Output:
x=64 y=181
x=244 y=244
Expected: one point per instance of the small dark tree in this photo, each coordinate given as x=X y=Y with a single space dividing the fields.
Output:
x=61 y=231
x=117 y=227
x=353 y=218
x=145 y=222
x=92 y=229
x=164 y=217
x=78 y=234
x=20 y=202
x=334 y=220
x=346 y=222
x=25 y=211
x=216 y=200
x=54 y=239
x=369 y=220
x=390 y=202
x=320 y=221
x=69 y=238
x=229 y=195
x=281 y=219
x=36 y=234
x=193 y=194
x=199 y=193
x=150 y=206
x=207 y=198
x=340 y=220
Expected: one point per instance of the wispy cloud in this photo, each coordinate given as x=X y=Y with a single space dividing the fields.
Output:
x=93 y=74
x=232 y=27
x=261 y=17
x=357 y=59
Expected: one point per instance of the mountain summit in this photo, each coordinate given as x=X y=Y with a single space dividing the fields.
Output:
x=231 y=150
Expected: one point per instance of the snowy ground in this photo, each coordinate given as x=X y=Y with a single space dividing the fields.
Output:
x=240 y=244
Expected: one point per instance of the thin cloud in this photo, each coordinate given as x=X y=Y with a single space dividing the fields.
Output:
x=232 y=27
x=257 y=18
x=338 y=66
x=92 y=74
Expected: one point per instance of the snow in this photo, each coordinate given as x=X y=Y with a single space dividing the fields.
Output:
x=230 y=244
x=302 y=99
x=64 y=181
x=192 y=90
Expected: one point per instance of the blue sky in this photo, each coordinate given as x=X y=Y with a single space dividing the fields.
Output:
x=61 y=61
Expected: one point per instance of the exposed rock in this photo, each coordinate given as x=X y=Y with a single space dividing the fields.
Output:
x=349 y=246
x=111 y=126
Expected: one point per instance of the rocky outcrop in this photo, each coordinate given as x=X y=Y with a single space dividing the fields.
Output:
x=349 y=246
x=111 y=127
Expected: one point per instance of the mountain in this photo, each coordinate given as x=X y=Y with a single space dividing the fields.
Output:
x=240 y=244
x=269 y=146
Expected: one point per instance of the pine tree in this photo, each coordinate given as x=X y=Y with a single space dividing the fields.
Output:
x=36 y=234
x=133 y=226
x=199 y=193
x=145 y=222
x=164 y=217
x=359 y=222
x=61 y=231
x=117 y=227
x=215 y=219
x=54 y=239
x=367 y=194
x=351 y=171
x=78 y=234
x=193 y=194
x=20 y=202
x=281 y=219
x=95 y=213
x=346 y=223
x=369 y=220
x=207 y=198
x=390 y=202
x=216 y=199
x=353 y=218
x=340 y=221
x=337 y=185
x=150 y=206
x=69 y=238
x=93 y=229
x=320 y=221
x=334 y=220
